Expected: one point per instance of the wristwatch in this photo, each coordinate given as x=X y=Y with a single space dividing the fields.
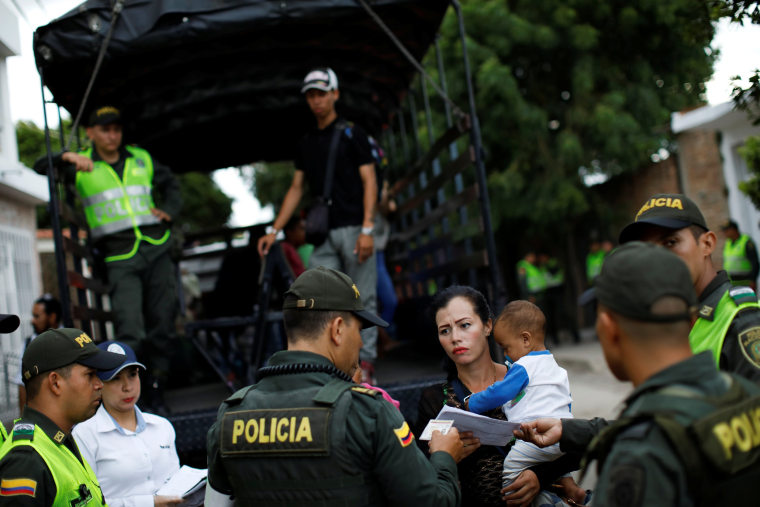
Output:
x=271 y=230
x=368 y=230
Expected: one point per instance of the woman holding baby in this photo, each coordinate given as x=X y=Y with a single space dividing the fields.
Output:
x=464 y=322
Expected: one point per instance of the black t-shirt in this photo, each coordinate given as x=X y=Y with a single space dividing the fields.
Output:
x=347 y=190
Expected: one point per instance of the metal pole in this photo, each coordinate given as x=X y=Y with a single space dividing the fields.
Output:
x=60 y=259
x=500 y=293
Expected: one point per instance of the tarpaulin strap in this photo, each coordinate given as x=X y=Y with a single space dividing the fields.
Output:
x=456 y=110
x=117 y=7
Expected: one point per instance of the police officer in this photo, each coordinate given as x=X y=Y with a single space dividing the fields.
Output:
x=8 y=324
x=739 y=256
x=531 y=279
x=729 y=317
x=116 y=184
x=307 y=435
x=686 y=428
x=40 y=463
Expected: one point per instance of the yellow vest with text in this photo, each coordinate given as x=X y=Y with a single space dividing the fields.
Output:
x=735 y=259
x=113 y=205
x=709 y=335
x=75 y=482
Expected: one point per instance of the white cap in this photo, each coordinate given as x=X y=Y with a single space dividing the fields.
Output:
x=321 y=79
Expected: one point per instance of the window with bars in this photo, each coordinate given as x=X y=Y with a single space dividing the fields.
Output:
x=19 y=287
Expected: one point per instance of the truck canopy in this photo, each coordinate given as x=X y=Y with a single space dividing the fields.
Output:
x=210 y=84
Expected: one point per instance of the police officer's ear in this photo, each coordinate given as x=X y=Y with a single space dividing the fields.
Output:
x=707 y=242
x=611 y=341
x=337 y=330
x=55 y=381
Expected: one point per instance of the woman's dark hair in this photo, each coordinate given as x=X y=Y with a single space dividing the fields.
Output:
x=476 y=299
x=479 y=304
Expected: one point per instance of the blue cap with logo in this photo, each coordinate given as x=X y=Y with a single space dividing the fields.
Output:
x=130 y=359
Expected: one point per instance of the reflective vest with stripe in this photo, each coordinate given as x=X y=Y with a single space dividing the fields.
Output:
x=735 y=259
x=534 y=278
x=710 y=334
x=113 y=205
x=75 y=482
x=553 y=273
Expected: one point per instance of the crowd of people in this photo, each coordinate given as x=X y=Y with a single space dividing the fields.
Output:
x=314 y=431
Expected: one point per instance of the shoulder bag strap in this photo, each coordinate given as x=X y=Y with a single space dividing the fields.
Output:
x=329 y=174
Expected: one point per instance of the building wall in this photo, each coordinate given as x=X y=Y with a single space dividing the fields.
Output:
x=701 y=169
x=626 y=193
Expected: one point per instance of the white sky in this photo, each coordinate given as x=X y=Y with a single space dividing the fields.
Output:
x=739 y=55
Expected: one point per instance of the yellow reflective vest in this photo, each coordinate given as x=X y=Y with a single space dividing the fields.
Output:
x=75 y=482
x=112 y=205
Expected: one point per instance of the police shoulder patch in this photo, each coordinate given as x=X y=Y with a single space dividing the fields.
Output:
x=23 y=431
x=404 y=435
x=59 y=437
x=625 y=487
x=18 y=487
x=365 y=390
x=741 y=295
x=749 y=343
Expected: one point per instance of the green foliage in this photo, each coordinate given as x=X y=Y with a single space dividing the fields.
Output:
x=567 y=84
x=31 y=141
x=204 y=205
x=271 y=181
x=751 y=154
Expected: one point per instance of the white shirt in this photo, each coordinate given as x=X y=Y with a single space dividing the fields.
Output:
x=535 y=386
x=130 y=466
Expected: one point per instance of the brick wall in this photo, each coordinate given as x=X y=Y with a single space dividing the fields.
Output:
x=697 y=171
x=626 y=193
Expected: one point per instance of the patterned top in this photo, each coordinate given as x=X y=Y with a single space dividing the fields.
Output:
x=479 y=473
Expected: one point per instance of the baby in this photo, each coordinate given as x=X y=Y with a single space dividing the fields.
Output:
x=535 y=386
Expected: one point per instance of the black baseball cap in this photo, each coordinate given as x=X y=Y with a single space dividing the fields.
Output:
x=8 y=323
x=638 y=274
x=322 y=288
x=105 y=115
x=55 y=348
x=730 y=224
x=672 y=211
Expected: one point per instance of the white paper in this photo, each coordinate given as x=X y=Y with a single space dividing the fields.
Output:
x=489 y=431
x=435 y=425
x=184 y=483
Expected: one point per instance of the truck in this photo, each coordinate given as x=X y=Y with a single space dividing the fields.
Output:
x=214 y=84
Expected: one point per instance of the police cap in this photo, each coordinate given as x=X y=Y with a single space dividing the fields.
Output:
x=55 y=348
x=105 y=115
x=636 y=275
x=672 y=211
x=8 y=323
x=322 y=288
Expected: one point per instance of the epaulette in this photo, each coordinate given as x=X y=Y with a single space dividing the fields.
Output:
x=23 y=431
x=742 y=295
x=238 y=396
x=366 y=390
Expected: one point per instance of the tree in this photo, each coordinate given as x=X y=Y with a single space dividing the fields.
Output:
x=204 y=206
x=565 y=87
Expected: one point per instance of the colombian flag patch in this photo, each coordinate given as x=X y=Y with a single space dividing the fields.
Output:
x=16 y=487
x=404 y=435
